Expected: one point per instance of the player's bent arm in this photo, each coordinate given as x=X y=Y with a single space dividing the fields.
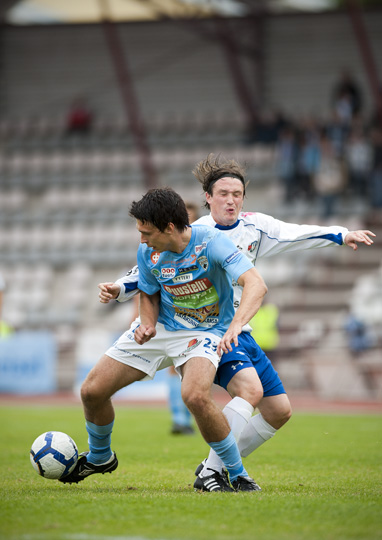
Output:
x=354 y=237
x=254 y=290
x=149 y=310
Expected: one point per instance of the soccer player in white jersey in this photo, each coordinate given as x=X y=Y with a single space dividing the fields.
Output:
x=246 y=372
x=186 y=318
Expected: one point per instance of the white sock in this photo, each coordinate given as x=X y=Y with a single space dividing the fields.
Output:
x=238 y=412
x=255 y=433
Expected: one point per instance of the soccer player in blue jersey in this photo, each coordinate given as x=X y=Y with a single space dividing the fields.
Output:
x=187 y=318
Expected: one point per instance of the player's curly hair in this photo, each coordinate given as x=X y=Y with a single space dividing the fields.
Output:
x=211 y=169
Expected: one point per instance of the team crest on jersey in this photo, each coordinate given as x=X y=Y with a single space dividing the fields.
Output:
x=198 y=249
x=155 y=257
x=251 y=248
x=203 y=261
x=168 y=272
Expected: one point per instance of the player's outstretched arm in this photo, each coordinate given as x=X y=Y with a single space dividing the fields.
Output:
x=108 y=291
x=353 y=238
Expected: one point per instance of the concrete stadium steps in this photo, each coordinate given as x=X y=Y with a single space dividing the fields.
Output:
x=44 y=68
x=302 y=77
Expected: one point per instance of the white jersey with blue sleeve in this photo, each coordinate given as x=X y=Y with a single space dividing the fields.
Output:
x=195 y=285
x=259 y=235
x=128 y=284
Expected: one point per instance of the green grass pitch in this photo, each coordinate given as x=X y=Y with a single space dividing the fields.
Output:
x=320 y=475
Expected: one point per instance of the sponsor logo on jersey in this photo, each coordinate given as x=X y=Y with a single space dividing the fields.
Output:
x=197 y=286
x=187 y=269
x=154 y=257
x=191 y=345
x=183 y=278
x=203 y=316
x=168 y=272
x=198 y=249
x=203 y=261
x=155 y=272
x=232 y=257
x=251 y=248
x=188 y=322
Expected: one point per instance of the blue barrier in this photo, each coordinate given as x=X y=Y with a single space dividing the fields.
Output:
x=28 y=363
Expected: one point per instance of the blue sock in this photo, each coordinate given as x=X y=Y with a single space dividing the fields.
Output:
x=229 y=453
x=179 y=412
x=99 y=442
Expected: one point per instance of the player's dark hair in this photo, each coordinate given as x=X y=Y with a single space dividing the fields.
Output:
x=211 y=169
x=160 y=207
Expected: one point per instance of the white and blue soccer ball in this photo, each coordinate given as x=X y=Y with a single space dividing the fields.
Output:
x=54 y=454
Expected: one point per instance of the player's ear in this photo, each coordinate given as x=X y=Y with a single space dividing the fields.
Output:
x=170 y=228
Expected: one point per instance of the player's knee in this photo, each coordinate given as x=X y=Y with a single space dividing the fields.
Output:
x=90 y=393
x=194 y=399
x=253 y=393
x=282 y=416
x=287 y=413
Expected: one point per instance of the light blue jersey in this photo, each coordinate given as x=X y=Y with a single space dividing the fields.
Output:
x=195 y=285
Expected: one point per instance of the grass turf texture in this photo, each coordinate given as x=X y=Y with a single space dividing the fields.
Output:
x=321 y=479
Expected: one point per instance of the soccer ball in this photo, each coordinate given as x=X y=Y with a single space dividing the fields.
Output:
x=54 y=454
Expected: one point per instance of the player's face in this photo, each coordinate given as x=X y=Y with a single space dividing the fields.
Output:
x=153 y=237
x=226 y=200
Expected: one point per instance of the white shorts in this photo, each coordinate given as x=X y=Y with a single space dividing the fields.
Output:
x=165 y=349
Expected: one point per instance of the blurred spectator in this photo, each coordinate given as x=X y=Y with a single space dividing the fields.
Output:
x=286 y=162
x=338 y=132
x=359 y=338
x=343 y=109
x=347 y=96
x=5 y=329
x=79 y=119
x=330 y=177
x=267 y=129
x=365 y=321
x=308 y=155
x=358 y=156
x=375 y=190
x=265 y=328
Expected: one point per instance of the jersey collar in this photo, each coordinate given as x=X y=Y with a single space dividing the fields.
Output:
x=227 y=227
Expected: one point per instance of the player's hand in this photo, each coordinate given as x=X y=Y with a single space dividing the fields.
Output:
x=229 y=337
x=108 y=291
x=144 y=333
x=354 y=237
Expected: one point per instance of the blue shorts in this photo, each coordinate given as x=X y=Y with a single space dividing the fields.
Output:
x=249 y=354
